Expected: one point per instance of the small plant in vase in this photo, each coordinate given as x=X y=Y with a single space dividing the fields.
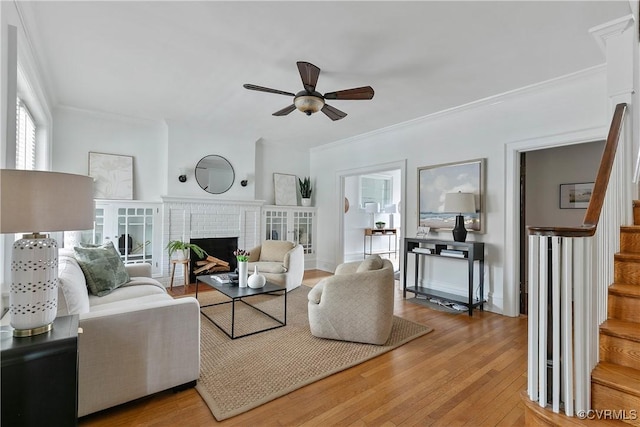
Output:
x=305 y=190
x=242 y=256
x=181 y=249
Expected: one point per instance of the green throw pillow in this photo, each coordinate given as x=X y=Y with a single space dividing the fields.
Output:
x=102 y=267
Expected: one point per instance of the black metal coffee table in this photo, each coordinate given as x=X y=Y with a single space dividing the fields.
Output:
x=238 y=294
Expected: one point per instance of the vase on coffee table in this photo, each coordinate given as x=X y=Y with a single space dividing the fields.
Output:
x=242 y=273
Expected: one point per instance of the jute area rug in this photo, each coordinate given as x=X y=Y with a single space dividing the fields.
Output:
x=241 y=374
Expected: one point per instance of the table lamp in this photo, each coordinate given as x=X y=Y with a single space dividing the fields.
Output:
x=461 y=203
x=372 y=208
x=39 y=201
x=391 y=210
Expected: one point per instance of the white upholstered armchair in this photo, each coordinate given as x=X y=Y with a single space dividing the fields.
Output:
x=280 y=262
x=356 y=304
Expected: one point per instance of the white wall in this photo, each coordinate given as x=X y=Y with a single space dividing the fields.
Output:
x=272 y=159
x=160 y=149
x=78 y=132
x=480 y=130
x=546 y=170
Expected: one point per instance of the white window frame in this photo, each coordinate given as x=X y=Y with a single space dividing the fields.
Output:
x=25 y=137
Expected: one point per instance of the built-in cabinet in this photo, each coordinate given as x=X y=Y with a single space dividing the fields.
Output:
x=134 y=229
x=295 y=224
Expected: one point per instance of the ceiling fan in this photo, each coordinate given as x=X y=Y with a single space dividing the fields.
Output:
x=309 y=101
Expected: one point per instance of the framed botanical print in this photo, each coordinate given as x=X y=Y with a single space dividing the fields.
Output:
x=113 y=175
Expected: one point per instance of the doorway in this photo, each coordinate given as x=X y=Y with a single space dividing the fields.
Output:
x=542 y=172
x=369 y=196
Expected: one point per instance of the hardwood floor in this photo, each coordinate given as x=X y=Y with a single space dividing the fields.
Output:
x=468 y=371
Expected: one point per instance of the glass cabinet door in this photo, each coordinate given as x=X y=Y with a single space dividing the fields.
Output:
x=135 y=233
x=276 y=225
x=95 y=236
x=303 y=230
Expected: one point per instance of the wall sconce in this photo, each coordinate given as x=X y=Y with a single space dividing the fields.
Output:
x=183 y=175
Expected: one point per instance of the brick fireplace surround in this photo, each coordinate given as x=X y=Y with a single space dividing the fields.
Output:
x=189 y=218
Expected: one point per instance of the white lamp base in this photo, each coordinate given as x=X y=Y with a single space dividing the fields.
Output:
x=33 y=296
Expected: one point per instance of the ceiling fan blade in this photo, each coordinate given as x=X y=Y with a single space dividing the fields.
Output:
x=365 y=92
x=266 y=89
x=285 y=110
x=309 y=74
x=333 y=113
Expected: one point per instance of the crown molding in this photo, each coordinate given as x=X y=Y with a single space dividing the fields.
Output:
x=610 y=29
x=481 y=103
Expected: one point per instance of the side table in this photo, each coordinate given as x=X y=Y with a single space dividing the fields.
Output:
x=389 y=233
x=185 y=264
x=40 y=376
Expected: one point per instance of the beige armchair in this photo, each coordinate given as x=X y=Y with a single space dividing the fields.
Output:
x=279 y=261
x=356 y=304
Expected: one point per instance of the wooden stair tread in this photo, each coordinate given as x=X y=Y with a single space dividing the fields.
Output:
x=627 y=256
x=549 y=418
x=623 y=289
x=630 y=228
x=617 y=377
x=621 y=329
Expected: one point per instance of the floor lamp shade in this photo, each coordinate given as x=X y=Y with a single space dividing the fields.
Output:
x=461 y=203
x=34 y=202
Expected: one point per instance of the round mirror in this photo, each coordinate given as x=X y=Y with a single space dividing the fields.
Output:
x=214 y=174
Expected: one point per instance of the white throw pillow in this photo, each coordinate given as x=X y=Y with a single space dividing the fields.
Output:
x=373 y=262
x=73 y=297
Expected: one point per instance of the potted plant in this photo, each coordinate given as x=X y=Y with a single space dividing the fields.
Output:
x=380 y=224
x=181 y=249
x=305 y=190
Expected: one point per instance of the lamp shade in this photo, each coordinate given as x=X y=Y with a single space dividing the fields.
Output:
x=308 y=104
x=34 y=201
x=372 y=207
x=459 y=202
x=391 y=209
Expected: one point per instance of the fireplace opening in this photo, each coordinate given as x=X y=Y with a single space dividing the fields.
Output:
x=220 y=249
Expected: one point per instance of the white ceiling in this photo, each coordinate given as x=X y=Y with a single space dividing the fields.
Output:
x=187 y=61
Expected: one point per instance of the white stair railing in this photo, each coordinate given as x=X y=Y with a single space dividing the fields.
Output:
x=569 y=273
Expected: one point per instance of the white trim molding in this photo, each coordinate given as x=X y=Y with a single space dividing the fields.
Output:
x=512 y=202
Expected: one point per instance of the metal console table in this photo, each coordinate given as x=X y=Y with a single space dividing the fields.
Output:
x=465 y=251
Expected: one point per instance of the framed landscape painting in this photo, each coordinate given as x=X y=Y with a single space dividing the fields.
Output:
x=575 y=196
x=434 y=182
x=113 y=176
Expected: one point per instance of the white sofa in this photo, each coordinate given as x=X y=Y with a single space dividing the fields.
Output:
x=135 y=341
x=280 y=262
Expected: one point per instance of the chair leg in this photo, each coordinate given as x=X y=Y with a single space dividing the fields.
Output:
x=173 y=270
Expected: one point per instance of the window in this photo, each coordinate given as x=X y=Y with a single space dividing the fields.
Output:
x=376 y=189
x=25 y=138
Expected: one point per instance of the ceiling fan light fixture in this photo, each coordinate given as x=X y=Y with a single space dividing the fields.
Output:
x=308 y=104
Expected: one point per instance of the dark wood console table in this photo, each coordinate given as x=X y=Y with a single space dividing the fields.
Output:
x=465 y=251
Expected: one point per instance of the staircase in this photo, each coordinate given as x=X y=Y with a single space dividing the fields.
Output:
x=615 y=382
